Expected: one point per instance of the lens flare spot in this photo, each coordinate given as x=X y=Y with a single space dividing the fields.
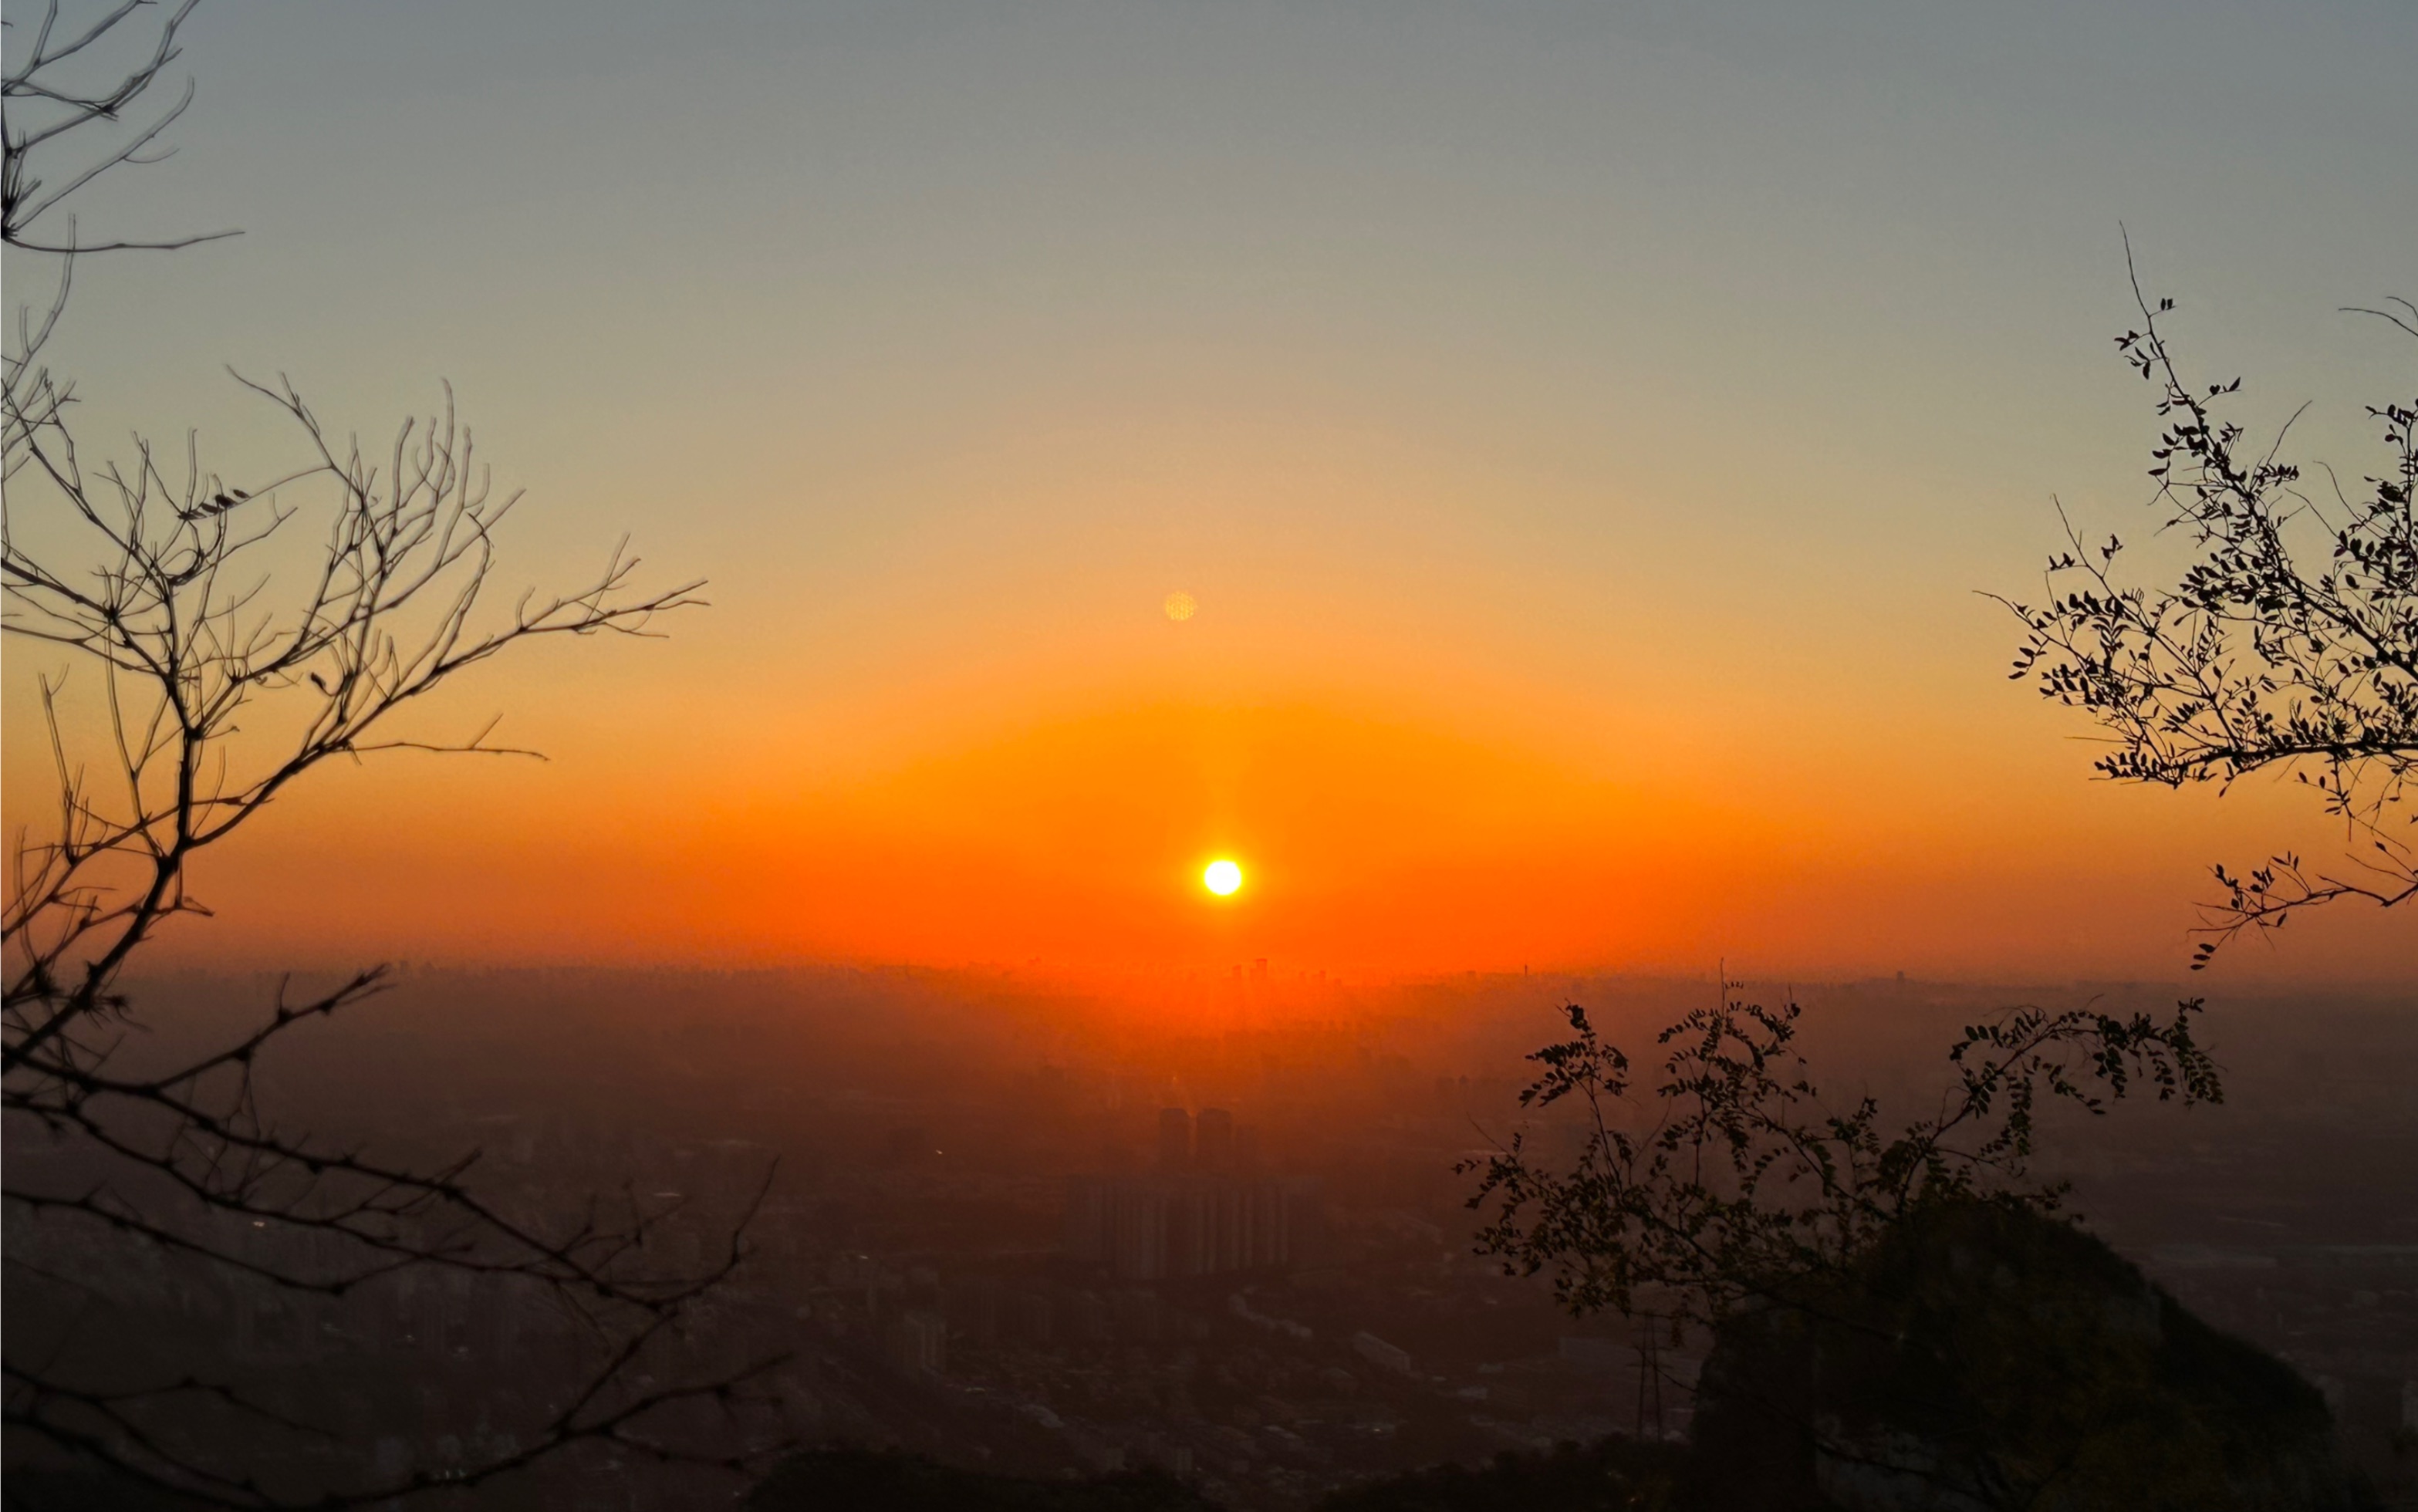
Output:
x=1181 y=605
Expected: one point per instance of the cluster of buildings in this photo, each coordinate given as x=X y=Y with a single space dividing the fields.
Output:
x=1207 y=1211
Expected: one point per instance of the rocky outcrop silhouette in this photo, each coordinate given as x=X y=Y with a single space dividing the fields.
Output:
x=1984 y=1357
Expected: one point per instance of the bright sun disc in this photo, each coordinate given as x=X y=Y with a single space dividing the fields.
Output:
x=1222 y=878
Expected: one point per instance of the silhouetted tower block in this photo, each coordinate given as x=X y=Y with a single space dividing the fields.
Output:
x=1246 y=1148
x=919 y=1343
x=1213 y=1141
x=1260 y=972
x=1158 y=1227
x=1138 y=1229
x=1174 y=1140
x=1304 y=1220
x=1090 y=1231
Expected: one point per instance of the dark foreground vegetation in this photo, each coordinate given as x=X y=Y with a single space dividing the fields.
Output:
x=1981 y=1356
x=841 y=1479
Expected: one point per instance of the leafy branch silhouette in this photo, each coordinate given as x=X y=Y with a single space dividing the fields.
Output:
x=2289 y=643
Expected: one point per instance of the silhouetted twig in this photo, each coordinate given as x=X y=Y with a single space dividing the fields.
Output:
x=219 y=684
x=2289 y=643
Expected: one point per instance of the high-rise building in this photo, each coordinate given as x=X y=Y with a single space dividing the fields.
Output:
x=919 y=1342
x=1139 y=1221
x=1174 y=1140
x=1213 y=1141
x=1246 y=1148
x=1167 y=1227
x=1088 y=1224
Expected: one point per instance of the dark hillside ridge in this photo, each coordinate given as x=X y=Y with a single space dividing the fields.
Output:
x=1985 y=1357
x=874 y=1480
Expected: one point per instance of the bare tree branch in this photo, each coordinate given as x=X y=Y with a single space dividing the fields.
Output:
x=2289 y=644
x=205 y=686
x=44 y=113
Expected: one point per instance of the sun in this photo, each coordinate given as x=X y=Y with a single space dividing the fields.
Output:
x=1222 y=878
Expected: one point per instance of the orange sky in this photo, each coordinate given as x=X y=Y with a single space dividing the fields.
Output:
x=1584 y=441
x=990 y=743
x=1375 y=843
